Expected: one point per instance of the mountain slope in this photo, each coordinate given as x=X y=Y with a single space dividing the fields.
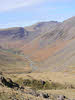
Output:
x=49 y=44
x=12 y=62
x=54 y=50
x=18 y=36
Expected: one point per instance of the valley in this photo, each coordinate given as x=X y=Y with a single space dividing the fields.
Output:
x=43 y=52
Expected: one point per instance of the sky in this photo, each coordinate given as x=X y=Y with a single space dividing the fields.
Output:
x=20 y=13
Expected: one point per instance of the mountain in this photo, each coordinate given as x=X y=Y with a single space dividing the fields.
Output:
x=18 y=36
x=24 y=33
x=48 y=44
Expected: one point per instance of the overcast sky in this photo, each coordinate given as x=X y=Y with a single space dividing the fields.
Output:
x=26 y=12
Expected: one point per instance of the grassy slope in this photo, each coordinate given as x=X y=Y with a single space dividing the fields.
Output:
x=11 y=62
x=60 y=77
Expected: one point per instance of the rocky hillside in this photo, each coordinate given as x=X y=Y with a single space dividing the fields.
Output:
x=26 y=88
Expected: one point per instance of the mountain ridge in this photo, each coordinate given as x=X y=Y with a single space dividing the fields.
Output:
x=48 y=44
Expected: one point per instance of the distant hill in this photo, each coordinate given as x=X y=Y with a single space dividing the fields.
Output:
x=25 y=33
x=49 y=44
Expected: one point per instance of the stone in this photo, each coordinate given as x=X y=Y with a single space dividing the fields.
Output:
x=42 y=82
x=9 y=83
x=44 y=95
x=61 y=97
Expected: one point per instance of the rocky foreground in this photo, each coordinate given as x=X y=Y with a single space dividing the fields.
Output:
x=29 y=90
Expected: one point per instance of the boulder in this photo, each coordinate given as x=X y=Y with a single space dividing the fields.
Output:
x=44 y=95
x=9 y=83
x=61 y=97
x=42 y=82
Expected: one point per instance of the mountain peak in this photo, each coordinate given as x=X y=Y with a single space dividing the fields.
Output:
x=72 y=19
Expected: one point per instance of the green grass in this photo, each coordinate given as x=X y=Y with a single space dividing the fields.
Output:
x=37 y=84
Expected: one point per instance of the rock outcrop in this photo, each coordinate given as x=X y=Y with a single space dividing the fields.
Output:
x=8 y=82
